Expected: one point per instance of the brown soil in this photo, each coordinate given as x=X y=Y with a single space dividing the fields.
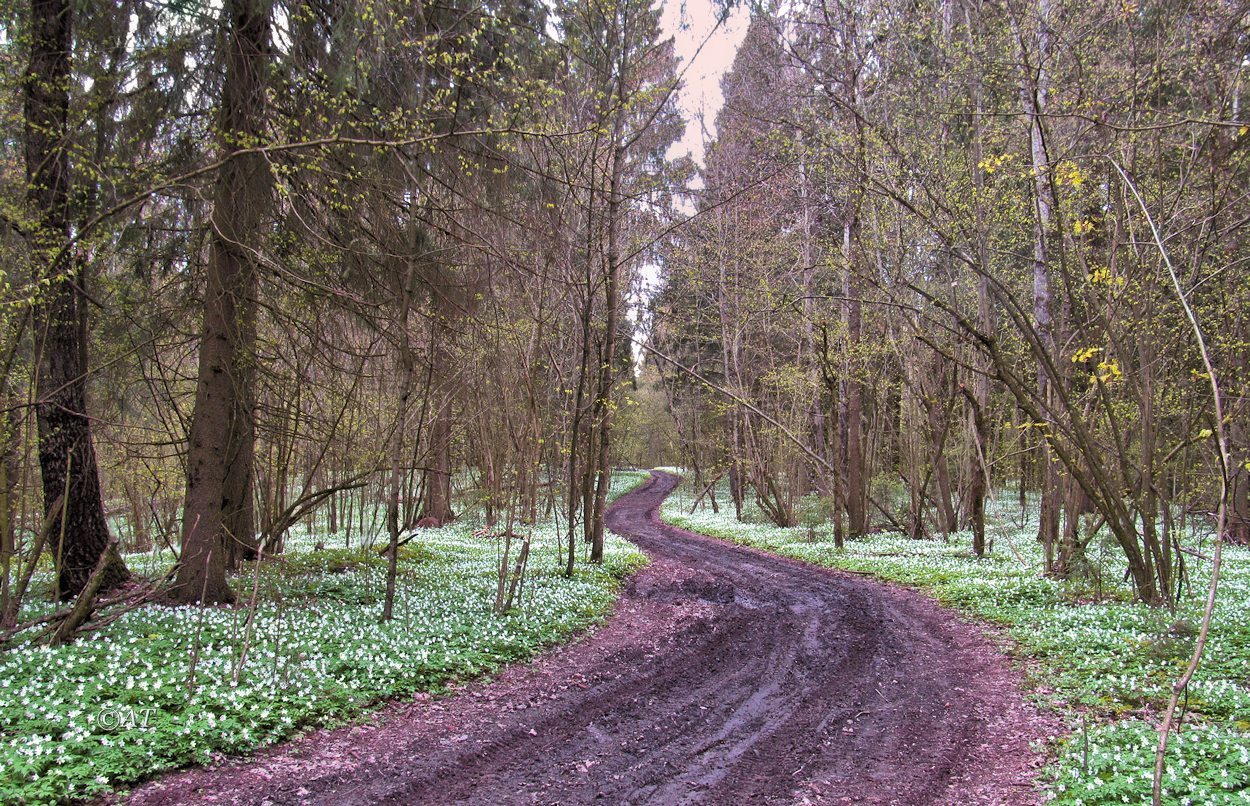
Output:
x=726 y=675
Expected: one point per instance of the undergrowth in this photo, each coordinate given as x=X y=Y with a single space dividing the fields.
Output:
x=164 y=687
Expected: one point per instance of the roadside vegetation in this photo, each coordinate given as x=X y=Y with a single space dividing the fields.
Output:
x=264 y=263
x=1089 y=652
x=164 y=687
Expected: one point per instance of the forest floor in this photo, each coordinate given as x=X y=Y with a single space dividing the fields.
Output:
x=725 y=675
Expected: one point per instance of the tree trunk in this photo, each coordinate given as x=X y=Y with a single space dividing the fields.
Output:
x=604 y=405
x=140 y=520
x=852 y=409
x=938 y=412
x=977 y=462
x=66 y=451
x=1239 y=443
x=437 y=501
x=854 y=453
x=238 y=497
x=1239 y=505
x=8 y=534
x=1033 y=90
x=578 y=435
x=407 y=375
x=978 y=481
x=218 y=519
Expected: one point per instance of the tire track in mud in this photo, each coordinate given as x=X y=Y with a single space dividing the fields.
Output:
x=726 y=675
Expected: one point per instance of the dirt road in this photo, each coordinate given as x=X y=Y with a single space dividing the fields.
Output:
x=725 y=676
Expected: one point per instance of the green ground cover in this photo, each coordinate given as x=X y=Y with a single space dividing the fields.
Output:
x=1105 y=664
x=164 y=687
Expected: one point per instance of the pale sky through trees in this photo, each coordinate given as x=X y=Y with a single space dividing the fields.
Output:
x=689 y=22
x=692 y=23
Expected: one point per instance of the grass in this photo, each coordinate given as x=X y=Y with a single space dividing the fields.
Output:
x=1102 y=662
x=158 y=689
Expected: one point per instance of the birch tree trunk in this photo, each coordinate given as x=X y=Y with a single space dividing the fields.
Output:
x=1033 y=89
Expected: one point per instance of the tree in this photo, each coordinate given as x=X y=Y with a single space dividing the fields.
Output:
x=218 y=524
x=980 y=251
x=622 y=81
x=67 y=460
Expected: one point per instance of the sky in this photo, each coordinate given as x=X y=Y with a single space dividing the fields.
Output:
x=690 y=22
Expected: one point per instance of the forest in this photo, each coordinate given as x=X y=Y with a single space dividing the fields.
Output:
x=338 y=337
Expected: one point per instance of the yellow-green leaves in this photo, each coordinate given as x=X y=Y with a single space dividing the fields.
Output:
x=1085 y=354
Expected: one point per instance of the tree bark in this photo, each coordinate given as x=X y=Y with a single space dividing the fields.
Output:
x=939 y=415
x=1239 y=443
x=604 y=405
x=437 y=501
x=1239 y=496
x=218 y=518
x=67 y=460
x=852 y=397
x=407 y=373
x=978 y=481
x=852 y=427
x=1033 y=90
x=977 y=467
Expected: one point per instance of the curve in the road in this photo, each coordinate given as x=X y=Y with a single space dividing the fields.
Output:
x=727 y=676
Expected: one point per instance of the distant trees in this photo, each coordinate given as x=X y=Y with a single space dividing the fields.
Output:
x=621 y=84
x=382 y=259
x=734 y=275
x=350 y=269
x=981 y=295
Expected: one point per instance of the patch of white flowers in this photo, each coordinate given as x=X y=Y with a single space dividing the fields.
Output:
x=163 y=686
x=1207 y=763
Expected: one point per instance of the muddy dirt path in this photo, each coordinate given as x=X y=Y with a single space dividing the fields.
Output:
x=726 y=675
